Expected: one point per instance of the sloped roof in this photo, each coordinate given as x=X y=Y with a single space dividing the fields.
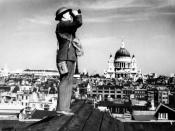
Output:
x=87 y=118
x=143 y=115
x=160 y=105
x=40 y=114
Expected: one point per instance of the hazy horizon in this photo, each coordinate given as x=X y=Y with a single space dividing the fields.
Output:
x=27 y=30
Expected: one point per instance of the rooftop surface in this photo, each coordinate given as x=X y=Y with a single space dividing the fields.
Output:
x=87 y=118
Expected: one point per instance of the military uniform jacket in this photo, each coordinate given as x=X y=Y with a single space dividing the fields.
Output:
x=65 y=32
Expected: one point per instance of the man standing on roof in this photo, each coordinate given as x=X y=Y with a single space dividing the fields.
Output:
x=69 y=48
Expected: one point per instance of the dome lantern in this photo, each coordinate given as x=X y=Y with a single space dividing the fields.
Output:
x=123 y=44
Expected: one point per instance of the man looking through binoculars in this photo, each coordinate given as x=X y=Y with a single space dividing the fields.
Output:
x=69 y=48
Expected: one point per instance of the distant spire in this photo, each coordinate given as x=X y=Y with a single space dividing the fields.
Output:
x=123 y=44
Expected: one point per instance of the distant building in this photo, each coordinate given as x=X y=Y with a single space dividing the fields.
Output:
x=107 y=92
x=140 y=94
x=139 y=105
x=122 y=65
x=127 y=92
x=172 y=100
x=4 y=71
x=152 y=95
x=41 y=72
x=118 y=109
x=163 y=94
x=110 y=73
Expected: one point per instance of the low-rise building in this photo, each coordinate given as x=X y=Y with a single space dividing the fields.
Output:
x=140 y=94
x=153 y=95
x=117 y=109
x=163 y=94
x=127 y=92
x=106 y=91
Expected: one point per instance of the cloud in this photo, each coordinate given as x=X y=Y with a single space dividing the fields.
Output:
x=101 y=19
x=105 y=5
x=93 y=10
x=134 y=10
x=121 y=14
x=160 y=36
x=100 y=42
x=119 y=18
x=168 y=9
x=150 y=3
x=96 y=20
x=39 y=20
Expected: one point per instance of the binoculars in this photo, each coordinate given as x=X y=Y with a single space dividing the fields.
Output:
x=79 y=11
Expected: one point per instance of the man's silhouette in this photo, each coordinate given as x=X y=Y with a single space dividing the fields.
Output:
x=69 y=21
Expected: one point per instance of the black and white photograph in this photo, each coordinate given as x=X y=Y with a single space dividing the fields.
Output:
x=87 y=65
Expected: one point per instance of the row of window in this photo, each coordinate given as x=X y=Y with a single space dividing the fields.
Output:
x=140 y=96
x=140 y=92
x=122 y=64
x=113 y=96
x=108 y=91
x=163 y=116
x=23 y=97
x=163 y=93
x=163 y=97
x=24 y=104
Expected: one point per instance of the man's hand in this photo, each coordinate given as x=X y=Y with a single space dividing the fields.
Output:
x=75 y=12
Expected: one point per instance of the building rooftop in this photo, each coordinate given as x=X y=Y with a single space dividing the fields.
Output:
x=143 y=115
x=87 y=118
x=40 y=114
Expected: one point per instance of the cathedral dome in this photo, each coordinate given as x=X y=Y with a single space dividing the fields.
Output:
x=122 y=52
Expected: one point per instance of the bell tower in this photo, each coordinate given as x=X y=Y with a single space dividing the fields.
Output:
x=111 y=67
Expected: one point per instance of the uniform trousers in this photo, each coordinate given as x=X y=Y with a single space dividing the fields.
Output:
x=65 y=88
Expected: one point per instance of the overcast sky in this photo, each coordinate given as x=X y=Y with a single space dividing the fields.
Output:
x=27 y=33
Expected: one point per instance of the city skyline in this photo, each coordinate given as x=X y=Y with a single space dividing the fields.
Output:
x=28 y=33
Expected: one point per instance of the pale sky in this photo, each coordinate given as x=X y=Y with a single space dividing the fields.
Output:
x=27 y=33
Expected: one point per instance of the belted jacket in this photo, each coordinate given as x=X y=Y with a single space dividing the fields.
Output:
x=65 y=32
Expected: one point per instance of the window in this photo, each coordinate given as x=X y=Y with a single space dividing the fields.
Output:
x=119 y=96
x=113 y=96
x=163 y=116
